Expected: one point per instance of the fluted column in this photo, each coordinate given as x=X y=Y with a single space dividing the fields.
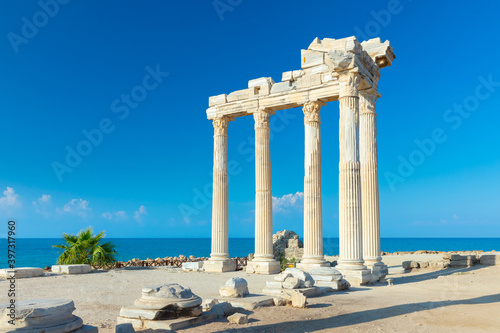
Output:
x=219 y=257
x=263 y=188
x=263 y=262
x=313 y=218
x=369 y=183
x=350 y=219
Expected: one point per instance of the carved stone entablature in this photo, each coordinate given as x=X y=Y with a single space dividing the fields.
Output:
x=322 y=64
x=221 y=124
x=312 y=111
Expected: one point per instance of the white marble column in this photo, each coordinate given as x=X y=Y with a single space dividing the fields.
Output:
x=263 y=262
x=369 y=184
x=219 y=257
x=313 y=218
x=350 y=262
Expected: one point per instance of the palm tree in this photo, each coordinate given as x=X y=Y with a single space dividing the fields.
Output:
x=86 y=248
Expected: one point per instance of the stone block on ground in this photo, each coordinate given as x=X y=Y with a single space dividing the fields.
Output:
x=234 y=287
x=250 y=302
x=167 y=295
x=71 y=269
x=209 y=303
x=305 y=279
x=409 y=265
x=325 y=274
x=124 y=328
x=192 y=266
x=291 y=282
x=490 y=259
x=238 y=318
x=221 y=310
x=298 y=300
x=21 y=272
x=334 y=285
x=176 y=324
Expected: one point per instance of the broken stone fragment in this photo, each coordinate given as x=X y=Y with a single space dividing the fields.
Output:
x=238 y=318
x=234 y=287
x=165 y=296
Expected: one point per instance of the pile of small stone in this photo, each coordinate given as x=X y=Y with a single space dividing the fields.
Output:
x=37 y=316
x=167 y=306
x=287 y=283
x=329 y=277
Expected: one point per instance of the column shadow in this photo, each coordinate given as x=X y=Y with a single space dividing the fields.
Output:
x=360 y=317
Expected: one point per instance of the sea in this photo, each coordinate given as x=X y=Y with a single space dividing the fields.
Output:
x=39 y=252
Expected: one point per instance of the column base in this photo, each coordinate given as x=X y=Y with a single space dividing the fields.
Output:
x=219 y=266
x=263 y=267
x=379 y=271
x=356 y=277
x=307 y=266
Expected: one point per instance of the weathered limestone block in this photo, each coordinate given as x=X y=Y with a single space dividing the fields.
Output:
x=305 y=279
x=221 y=310
x=319 y=69
x=410 y=264
x=423 y=264
x=234 y=287
x=217 y=100
x=291 y=282
x=490 y=259
x=209 y=303
x=124 y=328
x=167 y=295
x=51 y=316
x=287 y=76
x=279 y=301
x=238 y=95
x=262 y=81
x=308 y=81
x=71 y=269
x=291 y=253
x=194 y=266
x=283 y=86
x=334 y=285
x=311 y=58
x=238 y=318
x=325 y=274
x=21 y=272
x=298 y=299
x=177 y=324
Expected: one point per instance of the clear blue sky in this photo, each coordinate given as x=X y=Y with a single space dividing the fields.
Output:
x=147 y=176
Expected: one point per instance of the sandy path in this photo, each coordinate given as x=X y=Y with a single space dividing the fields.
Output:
x=452 y=300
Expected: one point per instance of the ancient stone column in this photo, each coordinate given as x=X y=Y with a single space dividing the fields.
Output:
x=313 y=220
x=219 y=257
x=263 y=262
x=350 y=262
x=369 y=184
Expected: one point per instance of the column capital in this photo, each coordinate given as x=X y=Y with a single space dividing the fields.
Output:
x=349 y=83
x=262 y=118
x=312 y=111
x=221 y=124
x=368 y=101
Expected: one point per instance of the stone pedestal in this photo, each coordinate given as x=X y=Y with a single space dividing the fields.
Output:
x=263 y=267
x=263 y=262
x=219 y=257
x=219 y=266
x=313 y=219
x=356 y=277
x=350 y=262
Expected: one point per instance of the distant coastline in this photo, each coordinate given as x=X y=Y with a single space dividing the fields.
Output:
x=38 y=252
